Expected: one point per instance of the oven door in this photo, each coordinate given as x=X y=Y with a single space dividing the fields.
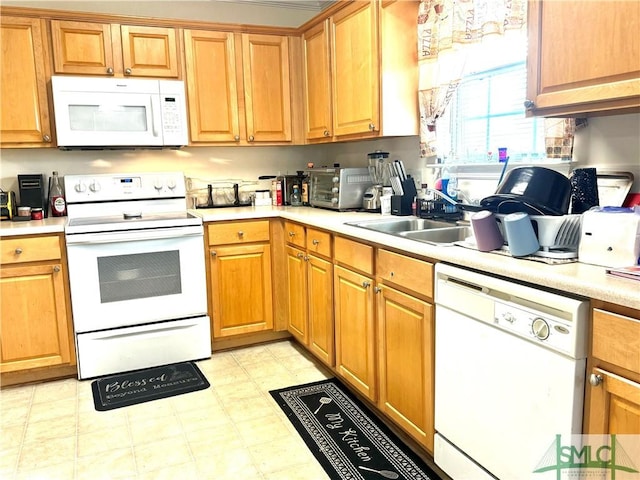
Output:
x=134 y=277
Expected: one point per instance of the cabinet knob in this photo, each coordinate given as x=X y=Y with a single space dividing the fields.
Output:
x=46 y=138
x=529 y=105
x=595 y=379
x=109 y=71
x=377 y=289
x=18 y=251
x=366 y=284
x=213 y=253
x=251 y=138
x=326 y=133
x=127 y=71
x=236 y=138
x=240 y=233
x=315 y=241
x=300 y=255
x=391 y=274
x=56 y=268
x=292 y=234
x=372 y=127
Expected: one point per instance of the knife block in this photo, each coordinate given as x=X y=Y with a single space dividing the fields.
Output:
x=401 y=205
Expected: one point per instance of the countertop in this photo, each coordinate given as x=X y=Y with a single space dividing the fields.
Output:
x=578 y=279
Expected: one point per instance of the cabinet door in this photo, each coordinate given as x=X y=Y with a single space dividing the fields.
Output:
x=25 y=108
x=297 y=298
x=241 y=289
x=614 y=405
x=211 y=86
x=355 y=330
x=82 y=48
x=265 y=62
x=150 y=51
x=317 y=78
x=355 y=69
x=320 y=288
x=405 y=362
x=35 y=329
x=599 y=65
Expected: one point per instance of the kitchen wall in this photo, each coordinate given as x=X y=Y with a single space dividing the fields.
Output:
x=207 y=163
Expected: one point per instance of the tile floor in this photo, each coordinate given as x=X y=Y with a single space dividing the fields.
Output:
x=232 y=430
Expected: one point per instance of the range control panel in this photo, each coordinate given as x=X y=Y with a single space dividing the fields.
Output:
x=123 y=186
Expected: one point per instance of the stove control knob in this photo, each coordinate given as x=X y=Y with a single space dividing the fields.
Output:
x=157 y=184
x=540 y=328
x=80 y=187
x=95 y=186
x=335 y=179
x=335 y=190
x=171 y=183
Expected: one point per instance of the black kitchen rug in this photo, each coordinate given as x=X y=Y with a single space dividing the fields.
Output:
x=345 y=437
x=139 y=386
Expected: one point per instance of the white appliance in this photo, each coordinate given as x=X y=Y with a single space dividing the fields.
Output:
x=94 y=112
x=610 y=237
x=136 y=272
x=510 y=366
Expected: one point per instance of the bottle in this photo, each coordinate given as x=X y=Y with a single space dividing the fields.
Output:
x=296 y=198
x=56 y=197
x=452 y=185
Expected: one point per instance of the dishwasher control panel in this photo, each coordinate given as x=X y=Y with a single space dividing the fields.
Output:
x=553 y=332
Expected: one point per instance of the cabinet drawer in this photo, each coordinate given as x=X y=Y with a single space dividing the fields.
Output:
x=355 y=254
x=616 y=339
x=294 y=233
x=319 y=242
x=410 y=273
x=238 y=232
x=20 y=250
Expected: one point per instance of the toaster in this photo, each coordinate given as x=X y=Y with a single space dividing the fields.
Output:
x=610 y=237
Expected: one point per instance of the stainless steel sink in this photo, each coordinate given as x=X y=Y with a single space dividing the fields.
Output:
x=439 y=236
x=403 y=224
x=435 y=232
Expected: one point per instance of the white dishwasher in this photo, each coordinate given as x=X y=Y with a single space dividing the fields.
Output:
x=510 y=366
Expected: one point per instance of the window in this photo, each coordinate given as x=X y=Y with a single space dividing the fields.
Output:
x=487 y=112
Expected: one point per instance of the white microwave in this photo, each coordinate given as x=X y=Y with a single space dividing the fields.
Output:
x=94 y=112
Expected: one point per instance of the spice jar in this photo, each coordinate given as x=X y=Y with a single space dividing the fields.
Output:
x=37 y=214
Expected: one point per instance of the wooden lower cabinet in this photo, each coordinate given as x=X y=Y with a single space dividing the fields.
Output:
x=613 y=389
x=35 y=326
x=240 y=289
x=615 y=404
x=405 y=362
x=239 y=275
x=355 y=330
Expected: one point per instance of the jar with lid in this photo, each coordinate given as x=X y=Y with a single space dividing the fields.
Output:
x=296 y=197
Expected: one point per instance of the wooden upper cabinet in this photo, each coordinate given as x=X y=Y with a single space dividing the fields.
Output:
x=25 y=108
x=88 y=48
x=584 y=57
x=355 y=66
x=211 y=86
x=317 y=78
x=360 y=72
x=267 y=95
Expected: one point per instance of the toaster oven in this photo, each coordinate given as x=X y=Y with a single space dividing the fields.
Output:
x=338 y=188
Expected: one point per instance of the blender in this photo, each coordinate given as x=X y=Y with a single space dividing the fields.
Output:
x=377 y=170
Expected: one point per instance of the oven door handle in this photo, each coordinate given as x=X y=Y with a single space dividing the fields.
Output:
x=133 y=236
